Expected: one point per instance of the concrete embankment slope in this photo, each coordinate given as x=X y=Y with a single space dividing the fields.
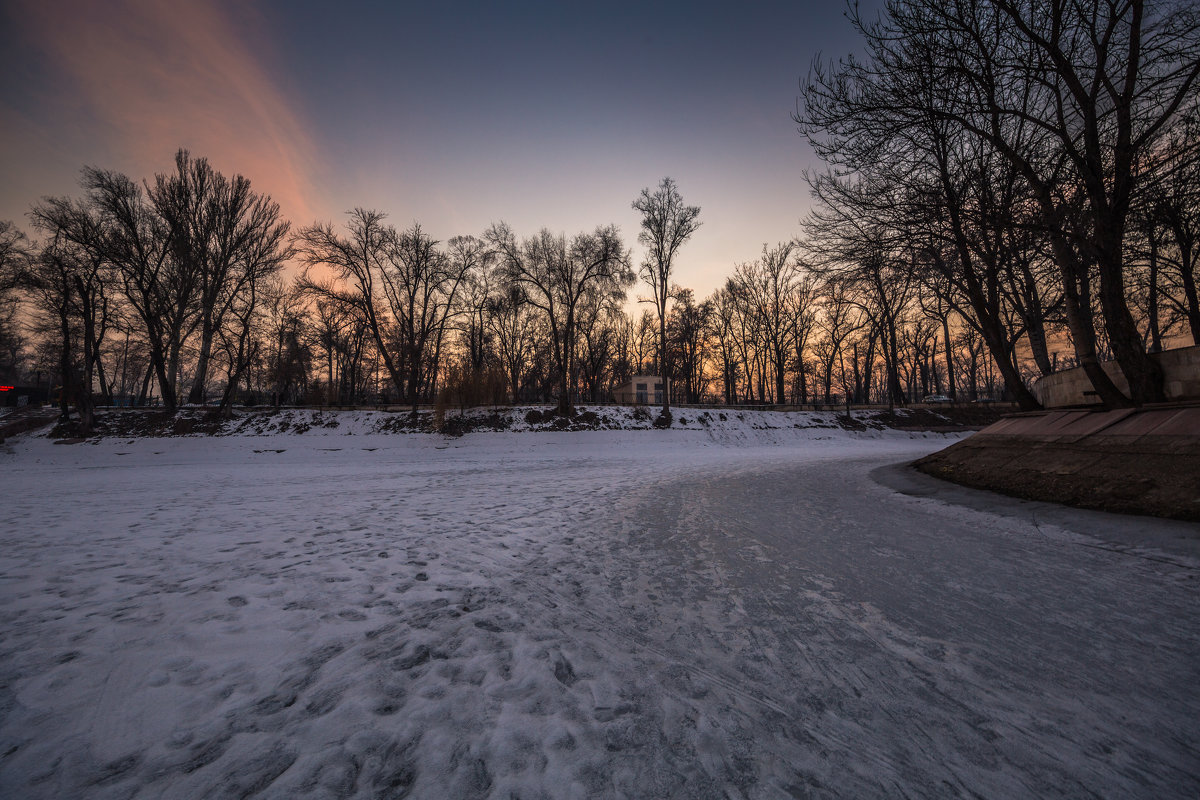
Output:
x=1135 y=461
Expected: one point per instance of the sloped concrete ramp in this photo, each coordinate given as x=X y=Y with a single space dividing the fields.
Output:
x=1135 y=461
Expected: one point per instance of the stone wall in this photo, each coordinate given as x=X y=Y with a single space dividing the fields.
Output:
x=1135 y=461
x=1071 y=387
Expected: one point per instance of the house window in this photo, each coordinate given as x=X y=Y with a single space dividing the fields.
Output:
x=641 y=387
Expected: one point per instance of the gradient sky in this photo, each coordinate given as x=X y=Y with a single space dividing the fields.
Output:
x=454 y=115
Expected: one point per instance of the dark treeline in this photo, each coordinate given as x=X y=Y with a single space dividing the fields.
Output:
x=1012 y=188
x=170 y=291
x=1026 y=168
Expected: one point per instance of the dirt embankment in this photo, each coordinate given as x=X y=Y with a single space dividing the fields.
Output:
x=24 y=420
x=137 y=423
x=1134 y=461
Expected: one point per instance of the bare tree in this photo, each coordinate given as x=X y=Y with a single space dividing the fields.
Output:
x=357 y=262
x=288 y=357
x=666 y=225
x=1174 y=203
x=227 y=236
x=72 y=278
x=160 y=283
x=775 y=287
x=839 y=319
x=1119 y=75
x=78 y=254
x=510 y=320
x=876 y=267
x=248 y=253
x=1076 y=97
x=643 y=342
x=476 y=294
x=687 y=330
x=15 y=252
x=723 y=321
x=599 y=322
x=421 y=284
x=555 y=275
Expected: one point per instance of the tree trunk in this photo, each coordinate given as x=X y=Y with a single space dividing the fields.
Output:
x=164 y=383
x=1079 y=321
x=951 y=387
x=566 y=346
x=196 y=395
x=1187 y=258
x=662 y=358
x=1144 y=374
x=64 y=364
x=143 y=395
x=1035 y=321
x=780 y=377
x=869 y=364
x=983 y=302
x=1038 y=347
x=892 y=357
x=996 y=341
x=1152 y=300
x=87 y=407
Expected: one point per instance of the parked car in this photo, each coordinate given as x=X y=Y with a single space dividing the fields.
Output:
x=937 y=398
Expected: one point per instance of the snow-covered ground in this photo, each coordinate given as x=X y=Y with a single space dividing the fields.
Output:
x=733 y=610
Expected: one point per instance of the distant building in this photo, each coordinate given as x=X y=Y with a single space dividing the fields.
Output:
x=642 y=390
x=11 y=395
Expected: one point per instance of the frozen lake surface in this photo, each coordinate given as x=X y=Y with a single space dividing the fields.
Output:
x=696 y=614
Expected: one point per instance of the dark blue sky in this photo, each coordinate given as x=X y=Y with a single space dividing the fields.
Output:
x=455 y=115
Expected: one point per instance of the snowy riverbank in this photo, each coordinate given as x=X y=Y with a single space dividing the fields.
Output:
x=720 y=422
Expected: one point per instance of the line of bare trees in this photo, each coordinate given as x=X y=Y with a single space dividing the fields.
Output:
x=1028 y=167
x=1012 y=187
x=172 y=286
x=171 y=289
x=133 y=282
x=380 y=315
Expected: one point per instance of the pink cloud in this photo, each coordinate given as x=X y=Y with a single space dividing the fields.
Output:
x=157 y=76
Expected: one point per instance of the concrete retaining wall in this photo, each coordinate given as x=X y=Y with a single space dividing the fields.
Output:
x=1140 y=461
x=1071 y=387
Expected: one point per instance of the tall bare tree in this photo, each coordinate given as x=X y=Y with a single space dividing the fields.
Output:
x=666 y=225
x=226 y=235
x=73 y=277
x=687 y=330
x=1174 y=202
x=1075 y=97
x=159 y=281
x=15 y=252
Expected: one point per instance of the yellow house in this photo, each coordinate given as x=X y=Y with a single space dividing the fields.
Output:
x=642 y=390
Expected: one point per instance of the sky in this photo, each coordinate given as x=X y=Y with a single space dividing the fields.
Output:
x=453 y=115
